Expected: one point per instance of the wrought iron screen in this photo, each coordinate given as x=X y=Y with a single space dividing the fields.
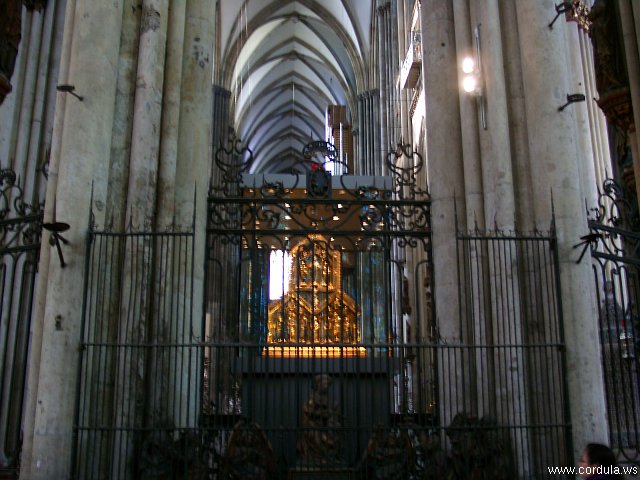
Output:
x=140 y=374
x=508 y=402
x=614 y=239
x=318 y=317
x=20 y=233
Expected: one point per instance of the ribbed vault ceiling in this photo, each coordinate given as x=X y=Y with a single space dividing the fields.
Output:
x=285 y=62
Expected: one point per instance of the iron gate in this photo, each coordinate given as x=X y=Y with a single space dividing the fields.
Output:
x=614 y=238
x=137 y=396
x=511 y=383
x=317 y=362
x=20 y=231
x=317 y=355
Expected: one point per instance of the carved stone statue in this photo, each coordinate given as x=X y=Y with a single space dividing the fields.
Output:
x=320 y=441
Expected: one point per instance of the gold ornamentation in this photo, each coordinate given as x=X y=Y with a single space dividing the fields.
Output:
x=315 y=310
x=579 y=13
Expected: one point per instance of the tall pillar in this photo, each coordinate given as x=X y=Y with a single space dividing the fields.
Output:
x=505 y=325
x=28 y=96
x=383 y=59
x=584 y=140
x=360 y=152
x=405 y=131
x=443 y=157
x=171 y=105
x=86 y=141
x=599 y=135
x=137 y=321
x=220 y=124
x=193 y=172
x=554 y=162
x=116 y=207
x=631 y=48
x=393 y=69
x=62 y=54
x=145 y=139
x=494 y=140
x=469 y=124
x=517 y=120
x=369 y=133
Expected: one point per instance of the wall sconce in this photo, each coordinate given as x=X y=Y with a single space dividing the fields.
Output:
x=472 y=80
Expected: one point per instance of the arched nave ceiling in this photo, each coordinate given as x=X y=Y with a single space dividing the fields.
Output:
x=285 y=62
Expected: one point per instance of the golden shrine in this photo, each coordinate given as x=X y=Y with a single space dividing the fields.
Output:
x=315 y=310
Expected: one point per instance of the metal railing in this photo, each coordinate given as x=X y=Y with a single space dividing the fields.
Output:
x=20 y=236
x=614 y=240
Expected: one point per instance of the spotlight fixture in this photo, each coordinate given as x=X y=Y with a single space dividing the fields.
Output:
x=472 y=80
x=468 y=65
x=470 y=84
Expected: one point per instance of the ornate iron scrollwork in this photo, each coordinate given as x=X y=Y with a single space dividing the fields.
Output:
x=405 y=165
x=614 y=222
x=20 y=222
x=232 y=161
x=370 y=215
x=614 y=207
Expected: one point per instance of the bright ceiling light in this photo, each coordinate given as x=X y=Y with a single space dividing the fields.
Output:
x=468 y=65
x=470 y=84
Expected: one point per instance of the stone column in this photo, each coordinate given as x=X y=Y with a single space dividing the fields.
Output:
x=474 y=197
x=494 y=140
x=85 y=133
x=630 y=36
x=192 y=177
x=469 y=123
x=554 y=159
x=383 y=59
x=26 y=139
x=171 y=105
x=517 y=120
x=584 y=141
x=32 y=46
x=444 y=154
x=136 y=405
x=405 y=131
x=376 y=125
x=220 y=127
x=360 y=153
x=599 y=135
x=393 y=68
x=145 y=140
x=31 y=393
x=10 y=36
x=116 y=207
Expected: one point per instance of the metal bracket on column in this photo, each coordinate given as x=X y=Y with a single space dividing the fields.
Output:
x=588 y=240
x=561 y=8
x=54 y=240
x=572 y=98
x=69 y=89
